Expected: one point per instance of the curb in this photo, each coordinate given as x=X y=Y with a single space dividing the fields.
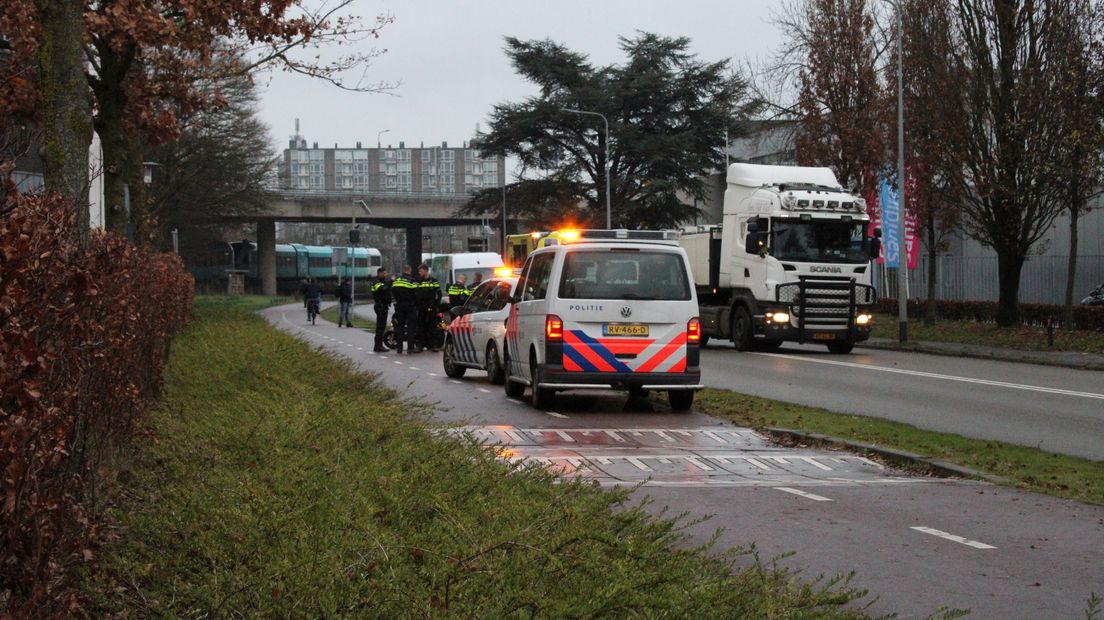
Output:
x=1003 y=357
x=930 y=465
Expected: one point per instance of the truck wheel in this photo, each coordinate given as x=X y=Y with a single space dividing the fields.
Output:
x=514 y=389
x=541 y=397
x=841 y=347
x=681 y=400
x=741 y=329
x=769 y=345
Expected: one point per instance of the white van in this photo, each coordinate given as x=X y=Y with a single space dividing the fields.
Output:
x=609 y=309
x=478 y=267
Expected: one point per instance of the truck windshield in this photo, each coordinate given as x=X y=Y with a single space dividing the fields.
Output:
x=831 y=241
x=615 y=274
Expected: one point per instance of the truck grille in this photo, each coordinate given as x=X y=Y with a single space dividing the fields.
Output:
x=824 y=303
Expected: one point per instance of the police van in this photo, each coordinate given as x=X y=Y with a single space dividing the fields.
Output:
x=605 y=309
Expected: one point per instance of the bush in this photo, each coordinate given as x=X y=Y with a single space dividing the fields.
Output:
x=1084 y=317
x=83 y=337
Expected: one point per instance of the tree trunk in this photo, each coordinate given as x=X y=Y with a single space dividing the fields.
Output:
x=1009 y=265
x=111 y=102
x=1071 y=271
x=933 y=255
x=66 y=107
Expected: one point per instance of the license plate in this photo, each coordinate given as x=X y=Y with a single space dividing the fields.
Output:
x=620 y=329
x=824 y=336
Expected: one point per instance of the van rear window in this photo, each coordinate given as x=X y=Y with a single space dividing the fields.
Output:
x=603 y=274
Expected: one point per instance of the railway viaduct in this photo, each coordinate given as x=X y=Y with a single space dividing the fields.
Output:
x=409 y=211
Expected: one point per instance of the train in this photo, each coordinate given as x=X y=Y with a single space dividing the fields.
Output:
x=294 y=263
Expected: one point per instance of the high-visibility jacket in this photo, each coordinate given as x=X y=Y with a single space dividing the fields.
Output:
x=381 y=292
x=403 y=290
x=457 y=294
x=428 y=293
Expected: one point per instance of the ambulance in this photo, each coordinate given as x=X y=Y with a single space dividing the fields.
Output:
x=605 y=309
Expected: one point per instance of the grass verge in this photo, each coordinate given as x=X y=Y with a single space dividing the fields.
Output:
x=1023 y=338
x=1029 y=468
x=277 y=482
x=330 y=314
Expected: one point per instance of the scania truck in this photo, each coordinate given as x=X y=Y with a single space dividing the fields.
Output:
x=790 y=261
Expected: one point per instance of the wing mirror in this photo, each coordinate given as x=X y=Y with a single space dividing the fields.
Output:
x=756 y=243
x=875 y=244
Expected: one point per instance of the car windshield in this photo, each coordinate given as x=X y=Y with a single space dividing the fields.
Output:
x=486 y=272
x=618 y=274
x=832 y=241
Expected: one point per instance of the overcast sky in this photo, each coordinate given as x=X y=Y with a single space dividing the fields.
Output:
x=448 y=56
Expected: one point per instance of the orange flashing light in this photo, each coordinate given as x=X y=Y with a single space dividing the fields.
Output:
x=503 y=272
x=569 y=235
x=535 y=235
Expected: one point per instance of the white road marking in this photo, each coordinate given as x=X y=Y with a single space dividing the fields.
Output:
x=638 y=463
x=564 y=436
x=485 y=391
x=810 y=460
x=454 y=381
x=815 y=498
x=515 y=436
x=614 y=436
x=383 y=357
x=551 y=413
x=433 y=374
x=958 y=539
x=934 y=375
x=397 y=362
x=714 y=436
x=414 y=368
x=696 y=463
x=757 y=463
x=360 y=348
x=663 y=435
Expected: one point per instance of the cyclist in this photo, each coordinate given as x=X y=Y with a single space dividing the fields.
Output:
x=312 y=296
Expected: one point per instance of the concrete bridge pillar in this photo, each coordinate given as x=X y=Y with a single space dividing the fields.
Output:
x=266 y=256
x=414 y=247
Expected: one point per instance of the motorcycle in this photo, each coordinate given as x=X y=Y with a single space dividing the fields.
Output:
x=436 y=339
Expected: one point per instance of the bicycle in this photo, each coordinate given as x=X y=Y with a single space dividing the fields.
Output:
x=312 y=310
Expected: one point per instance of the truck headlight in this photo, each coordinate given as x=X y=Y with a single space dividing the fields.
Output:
x=778 y=317
x=863 y=319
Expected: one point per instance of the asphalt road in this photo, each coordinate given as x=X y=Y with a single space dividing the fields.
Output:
x=917 y=544
x=1052 y=408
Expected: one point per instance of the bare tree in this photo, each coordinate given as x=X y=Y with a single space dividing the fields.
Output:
x=831 y=55
x=933 y=140
x=1011 y=57
x=1080 y=169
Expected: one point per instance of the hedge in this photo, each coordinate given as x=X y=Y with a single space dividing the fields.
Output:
x=1084 y=317
x=83 y=338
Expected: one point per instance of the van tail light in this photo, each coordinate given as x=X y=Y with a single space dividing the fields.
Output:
x=693 y=331
x=553 y=328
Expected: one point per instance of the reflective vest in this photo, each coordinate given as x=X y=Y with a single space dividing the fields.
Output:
x=403 y=288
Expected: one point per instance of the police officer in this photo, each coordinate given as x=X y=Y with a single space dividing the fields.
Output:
x=381 y=298
x=403 y=290
x=428 y=301
x=458 y=292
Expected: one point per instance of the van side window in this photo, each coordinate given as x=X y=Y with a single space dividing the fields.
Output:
x=537 y=276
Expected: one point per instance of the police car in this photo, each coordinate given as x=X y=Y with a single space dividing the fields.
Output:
x=605 y=309
x=474 y=337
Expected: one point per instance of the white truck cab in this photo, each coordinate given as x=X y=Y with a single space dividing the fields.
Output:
x=605 y=309
x=790 y=261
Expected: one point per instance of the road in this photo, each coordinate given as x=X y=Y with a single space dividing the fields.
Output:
x=918 y=544
x=1055 y=409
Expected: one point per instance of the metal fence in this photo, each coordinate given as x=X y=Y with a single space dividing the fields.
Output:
x=1042 y=281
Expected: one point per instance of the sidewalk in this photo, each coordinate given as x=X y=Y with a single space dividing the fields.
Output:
x=1069 y=359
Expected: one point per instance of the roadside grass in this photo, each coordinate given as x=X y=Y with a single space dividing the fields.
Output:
x=241 y=303
x=1029 y=468
x=330 y=314
x=274 y=481
x=1023 y=338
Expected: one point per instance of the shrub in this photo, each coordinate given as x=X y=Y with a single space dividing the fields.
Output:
x=83 y=337
x=1084 y=317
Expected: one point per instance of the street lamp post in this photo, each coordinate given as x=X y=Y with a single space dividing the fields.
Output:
x=380 y=133
x=502 y=248
x=902 y=240
x=354 y=241
x=607 y=166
